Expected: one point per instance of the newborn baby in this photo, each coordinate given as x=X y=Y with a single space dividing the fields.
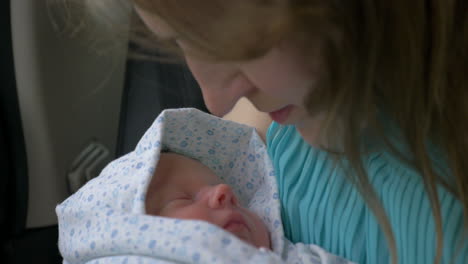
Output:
x=184 y=188
x=131 y=212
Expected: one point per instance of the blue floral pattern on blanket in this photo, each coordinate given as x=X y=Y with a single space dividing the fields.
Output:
x=105 y=221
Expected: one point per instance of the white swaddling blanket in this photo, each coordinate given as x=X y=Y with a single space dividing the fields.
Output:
x=105 y=221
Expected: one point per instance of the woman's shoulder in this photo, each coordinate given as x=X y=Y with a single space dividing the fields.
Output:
x=399 y=186
x=402 y=192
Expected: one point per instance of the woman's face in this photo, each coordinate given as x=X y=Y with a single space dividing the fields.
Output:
x=276 y=83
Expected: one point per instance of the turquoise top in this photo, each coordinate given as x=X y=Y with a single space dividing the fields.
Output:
x=320 y=207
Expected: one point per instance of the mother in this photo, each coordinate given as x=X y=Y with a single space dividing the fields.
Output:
x=368 y=102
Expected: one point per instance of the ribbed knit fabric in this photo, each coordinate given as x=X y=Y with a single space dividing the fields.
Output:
x=320 y=206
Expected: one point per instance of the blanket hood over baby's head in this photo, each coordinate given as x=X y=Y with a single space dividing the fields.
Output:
x=106 y=218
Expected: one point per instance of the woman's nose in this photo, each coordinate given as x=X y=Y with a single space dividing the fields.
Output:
x=222 y=84
x=221 y=196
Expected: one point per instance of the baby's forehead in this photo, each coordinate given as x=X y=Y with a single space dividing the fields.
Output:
x=174 y=174
x=172 y=168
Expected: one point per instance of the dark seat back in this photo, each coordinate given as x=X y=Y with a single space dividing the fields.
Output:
x=150 y=88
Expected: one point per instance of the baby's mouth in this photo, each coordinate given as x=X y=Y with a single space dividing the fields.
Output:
x=235 y=227
x=235 y=223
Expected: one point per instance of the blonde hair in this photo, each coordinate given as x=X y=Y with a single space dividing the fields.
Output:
x=91 y=23
x=406 y=59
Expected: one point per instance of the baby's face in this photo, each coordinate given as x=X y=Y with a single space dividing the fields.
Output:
x=186 y=189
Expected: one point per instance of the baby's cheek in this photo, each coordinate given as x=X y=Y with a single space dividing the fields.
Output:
x=260 y=232
x=195 y=213
x=265 y=239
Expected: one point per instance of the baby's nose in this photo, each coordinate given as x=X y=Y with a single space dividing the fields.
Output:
x=222 y=196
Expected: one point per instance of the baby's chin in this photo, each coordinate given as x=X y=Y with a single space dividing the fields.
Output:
x=248 y=238
x=250 y=241
x=264 y=244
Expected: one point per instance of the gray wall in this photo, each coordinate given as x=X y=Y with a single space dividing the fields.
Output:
x=68 y=96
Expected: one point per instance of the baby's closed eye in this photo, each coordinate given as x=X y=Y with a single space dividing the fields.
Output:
x=180 y=201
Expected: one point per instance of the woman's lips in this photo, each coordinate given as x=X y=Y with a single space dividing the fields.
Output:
x=281 y=115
